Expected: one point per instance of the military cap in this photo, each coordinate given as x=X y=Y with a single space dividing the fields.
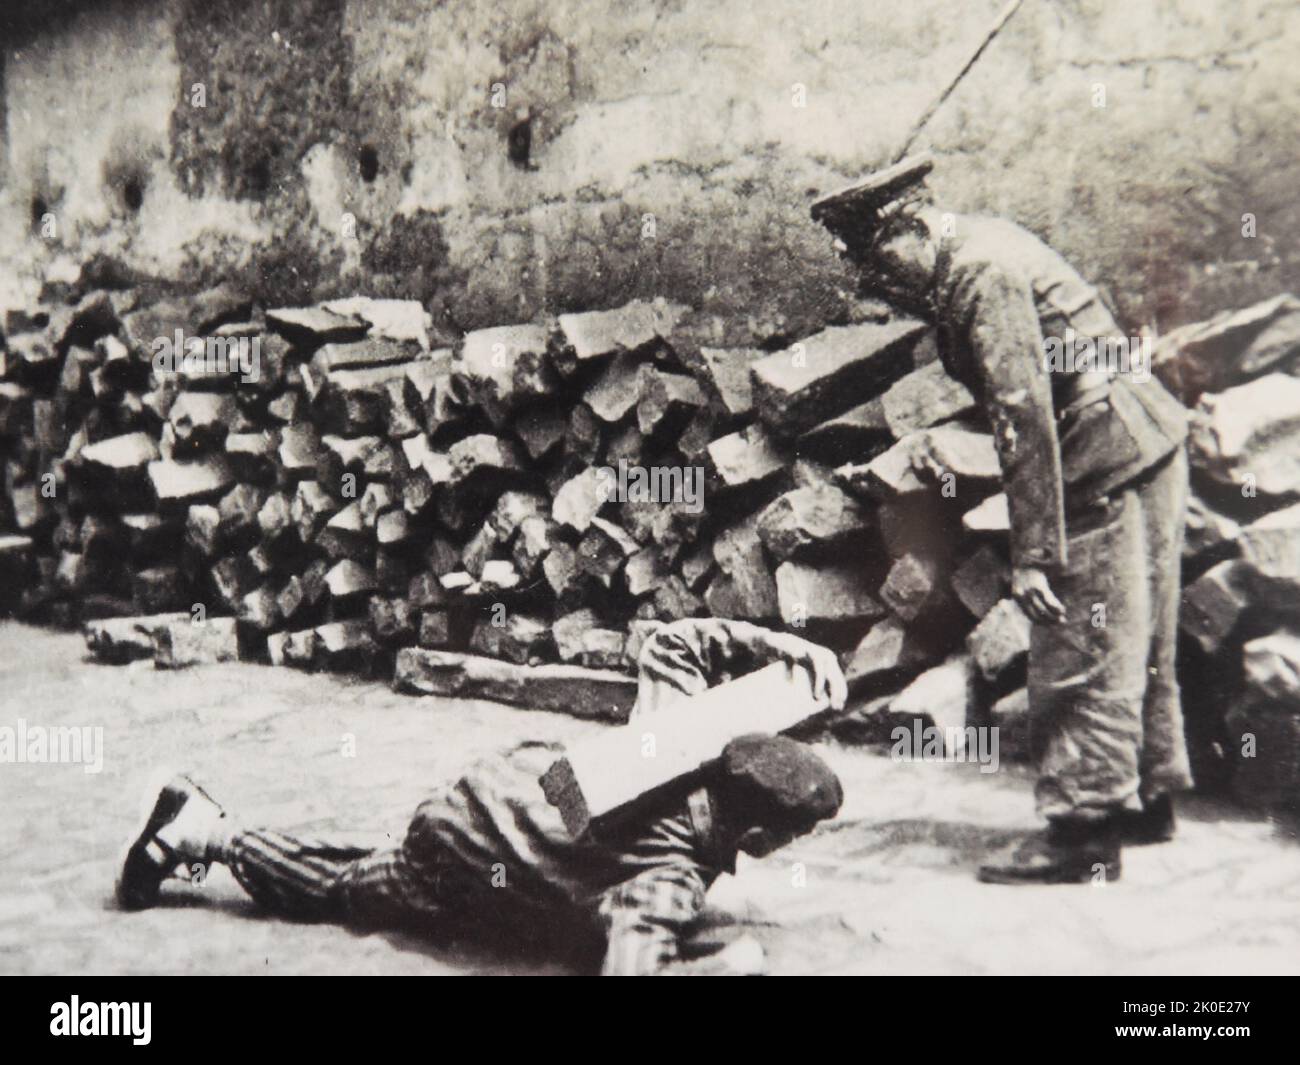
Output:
x=858 y=208
x=788 y=783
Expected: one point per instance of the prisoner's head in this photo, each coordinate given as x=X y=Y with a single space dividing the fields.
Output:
x=771 y=790
x=884 y=227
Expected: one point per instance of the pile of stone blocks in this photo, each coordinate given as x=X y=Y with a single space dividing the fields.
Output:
x=472 y=514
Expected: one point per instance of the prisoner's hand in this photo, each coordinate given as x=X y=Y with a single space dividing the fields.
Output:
x=1031 y=589
x=828 y=681
x=926 y=464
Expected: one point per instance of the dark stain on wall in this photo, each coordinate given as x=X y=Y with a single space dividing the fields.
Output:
x=1152 y=208
x=408 y=258
x=275 y=79
x=23 y=20
x=274 y=76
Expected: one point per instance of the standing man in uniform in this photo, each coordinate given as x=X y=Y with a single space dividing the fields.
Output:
x=1095 y=475
x=489 y=850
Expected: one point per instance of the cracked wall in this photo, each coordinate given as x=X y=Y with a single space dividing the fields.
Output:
x=499 y=162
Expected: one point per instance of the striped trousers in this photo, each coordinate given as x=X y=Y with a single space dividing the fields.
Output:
x=314 y=880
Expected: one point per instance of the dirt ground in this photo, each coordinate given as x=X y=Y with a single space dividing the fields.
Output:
x=888 y=887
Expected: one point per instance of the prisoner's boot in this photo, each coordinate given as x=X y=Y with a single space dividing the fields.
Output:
x=184 y=825
x=1068 y=852
x=1154 y=823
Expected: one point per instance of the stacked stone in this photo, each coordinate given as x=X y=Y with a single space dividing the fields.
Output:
x=507 y=513
x=1240 y=373
x=952 y=648
x=103 y=455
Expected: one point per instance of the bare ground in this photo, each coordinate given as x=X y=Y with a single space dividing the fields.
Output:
x=886 y=888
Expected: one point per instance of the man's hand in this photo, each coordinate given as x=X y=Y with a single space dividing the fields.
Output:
x=926 y=464
x=1031 y=589
x=827 y=678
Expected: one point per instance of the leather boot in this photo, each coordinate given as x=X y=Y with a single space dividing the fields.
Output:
x=1154 y=823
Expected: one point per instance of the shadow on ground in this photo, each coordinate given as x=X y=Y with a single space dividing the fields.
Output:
x=888 y=887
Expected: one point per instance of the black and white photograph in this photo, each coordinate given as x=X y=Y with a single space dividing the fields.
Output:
x=655 y=487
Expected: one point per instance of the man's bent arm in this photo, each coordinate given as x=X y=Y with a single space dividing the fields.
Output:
x=693 y=654
x=1007 y=345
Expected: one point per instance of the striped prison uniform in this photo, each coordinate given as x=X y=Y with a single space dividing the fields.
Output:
x=489 y=849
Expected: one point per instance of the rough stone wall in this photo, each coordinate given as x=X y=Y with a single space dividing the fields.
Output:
x=354 y=145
